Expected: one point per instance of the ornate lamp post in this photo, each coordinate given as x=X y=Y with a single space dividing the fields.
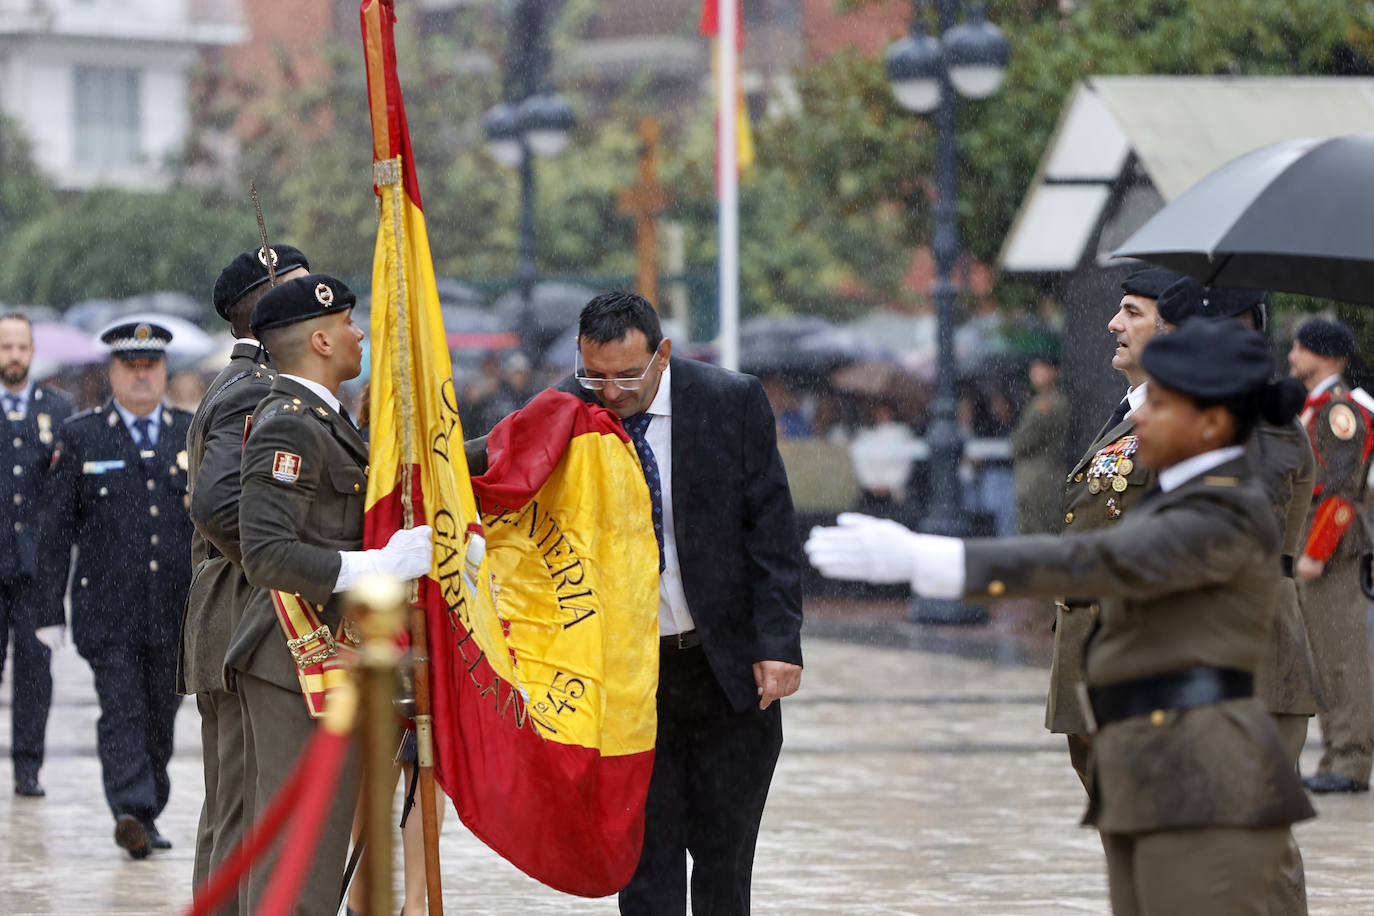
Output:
x=532 y=121
x=969 y=58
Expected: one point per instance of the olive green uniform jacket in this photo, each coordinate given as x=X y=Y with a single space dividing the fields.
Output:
x=1038 y=453
x=1186 y=580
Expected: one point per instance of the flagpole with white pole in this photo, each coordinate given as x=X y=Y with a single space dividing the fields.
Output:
x=727 y=170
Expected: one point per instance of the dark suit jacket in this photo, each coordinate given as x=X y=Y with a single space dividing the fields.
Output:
x=294 y=520
x=129 y=523
x=25 y=459
x=733 y=522
x=214 y=446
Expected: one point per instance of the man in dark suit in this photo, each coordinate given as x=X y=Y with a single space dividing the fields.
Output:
x=729 y=601
x=118 y=492
x=33 y=414
x=219 y=590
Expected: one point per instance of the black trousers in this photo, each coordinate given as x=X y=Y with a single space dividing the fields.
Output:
x=136 y=686
x=712 y=769
x=31 y=675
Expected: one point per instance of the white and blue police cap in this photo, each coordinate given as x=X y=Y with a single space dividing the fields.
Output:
x=137 y=340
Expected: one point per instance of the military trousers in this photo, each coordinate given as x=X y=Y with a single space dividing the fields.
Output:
x=30 y=675
x=1290 y=890
x=1334 y=609
x=276 y=729
x=221 y=813
x=1203 y=871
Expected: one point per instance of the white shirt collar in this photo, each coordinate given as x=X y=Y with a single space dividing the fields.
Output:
x=128 y=416
x=319 y=390
x=1135 y=397
x=24 y=395
x=1172 y=478
x=1324 y=384
x=249 y=341
x=662 y=404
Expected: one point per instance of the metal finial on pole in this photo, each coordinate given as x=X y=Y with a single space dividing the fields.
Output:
x=266 y=254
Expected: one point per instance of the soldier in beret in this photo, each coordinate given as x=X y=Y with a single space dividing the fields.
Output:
x=219 y=590
x=1328 y=567
x=1099 y=490
x=33 y=414
x=117 y=492
x=1186 y=584
x=304 y=481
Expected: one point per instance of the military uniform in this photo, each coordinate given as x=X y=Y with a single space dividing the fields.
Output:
x=125 y=510
x=1105 y=483
x=29 y=433
x=304 y=482
x=1332 y=605
x=218 y=594
x=1038 y=453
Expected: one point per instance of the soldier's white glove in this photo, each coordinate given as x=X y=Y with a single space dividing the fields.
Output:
x=407 y=555
x=881 y=551
x=54 y=637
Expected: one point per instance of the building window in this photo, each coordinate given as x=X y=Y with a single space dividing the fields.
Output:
x=107 y=116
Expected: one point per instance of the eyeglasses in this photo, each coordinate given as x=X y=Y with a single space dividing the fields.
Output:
x=624 y=384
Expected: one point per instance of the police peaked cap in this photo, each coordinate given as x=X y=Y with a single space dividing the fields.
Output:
x=248 y=271
x=301 y=299
x=1213 y=360
x=137 y=340
x=1187 y=298
x=1149 y=282
x=1328 y=338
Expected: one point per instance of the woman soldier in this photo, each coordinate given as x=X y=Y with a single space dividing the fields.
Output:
x=1189 y=785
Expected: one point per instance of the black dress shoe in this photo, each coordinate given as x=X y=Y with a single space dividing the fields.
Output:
x=1321 y=783
x=155 y=837
x=28 y=787
x=130 y=834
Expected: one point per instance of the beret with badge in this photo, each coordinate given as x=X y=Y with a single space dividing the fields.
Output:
x=1150 y=282
x=301 y=299
x=248 y=271
x=137 y=340
x=1211 y=360
x=1332 y=339
x=1187 y=298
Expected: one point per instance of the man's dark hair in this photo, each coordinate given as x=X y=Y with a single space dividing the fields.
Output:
x=17 y=315
x=610 y=316
x=241 y=311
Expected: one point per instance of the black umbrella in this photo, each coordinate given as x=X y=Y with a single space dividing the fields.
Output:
x=768 y=343
x=555 y=306
x=1294 y=216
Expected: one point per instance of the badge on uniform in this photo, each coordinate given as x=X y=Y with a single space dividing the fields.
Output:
x=183 y=461
x=286 y=467
x=1342 y=420
x=45 y=428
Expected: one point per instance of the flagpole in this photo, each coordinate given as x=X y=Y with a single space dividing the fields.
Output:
x=424 y=761
x=727 y=170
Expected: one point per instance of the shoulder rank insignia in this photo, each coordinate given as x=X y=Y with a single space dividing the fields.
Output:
x=286 y=467
x=1342 y=420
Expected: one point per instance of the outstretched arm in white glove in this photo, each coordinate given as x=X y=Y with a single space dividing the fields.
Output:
x=407 y=555
x=878 y=550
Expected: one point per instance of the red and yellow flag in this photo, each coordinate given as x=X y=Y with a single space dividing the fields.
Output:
x=542 y=613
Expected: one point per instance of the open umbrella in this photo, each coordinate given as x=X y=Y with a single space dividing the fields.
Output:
x=64 y=344
x=1293 y=216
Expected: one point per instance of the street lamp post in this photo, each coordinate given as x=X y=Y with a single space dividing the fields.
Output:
x=970 y=59
x=532 y=121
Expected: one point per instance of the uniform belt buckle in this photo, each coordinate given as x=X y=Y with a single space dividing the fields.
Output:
x=686 y=640
x=326 y=647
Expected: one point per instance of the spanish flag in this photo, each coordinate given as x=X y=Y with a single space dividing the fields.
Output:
x=541 y=606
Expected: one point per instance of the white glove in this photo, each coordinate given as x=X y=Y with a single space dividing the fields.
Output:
x=407 y=555
x=880 y=550
x=54 y=637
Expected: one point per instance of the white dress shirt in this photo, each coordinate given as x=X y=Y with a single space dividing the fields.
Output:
x=324 y=393
x=1135 y=397
x=673 y=615
x=21 y=400
x=1175 y=476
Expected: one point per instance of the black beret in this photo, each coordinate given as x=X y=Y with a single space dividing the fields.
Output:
x=1327 y=338
x=1209 y=359
x=1149 y=282
x=137 y=340
x=301 y=299
x=1186 y=298
x=248 y=271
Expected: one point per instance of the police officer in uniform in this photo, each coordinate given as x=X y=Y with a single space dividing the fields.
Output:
x=304 y=480
x=1190 y=786
x=33 y=414
x=1328 y=567
x=1100 y=488
x=118 y=492
x=219 y=591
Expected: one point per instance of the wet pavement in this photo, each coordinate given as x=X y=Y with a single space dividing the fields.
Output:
x=913 y=780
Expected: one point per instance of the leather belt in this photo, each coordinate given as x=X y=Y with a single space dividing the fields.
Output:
x=688 y=640
x=1287 y=565
x=1184 y=689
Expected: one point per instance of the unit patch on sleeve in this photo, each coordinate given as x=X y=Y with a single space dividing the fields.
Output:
x=286 y=467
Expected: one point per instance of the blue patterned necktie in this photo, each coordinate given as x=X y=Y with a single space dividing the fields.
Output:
x=637 y=426
x=141 y=437
x=12 y=408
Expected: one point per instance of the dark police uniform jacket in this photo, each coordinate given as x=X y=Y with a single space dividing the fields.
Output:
x=1187 y=579
x=26 y=449
x=129 y=523
x=214 y=446
x=1092 y=501
x=304 y=480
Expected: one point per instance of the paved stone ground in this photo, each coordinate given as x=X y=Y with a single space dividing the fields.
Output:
x=914 y=780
